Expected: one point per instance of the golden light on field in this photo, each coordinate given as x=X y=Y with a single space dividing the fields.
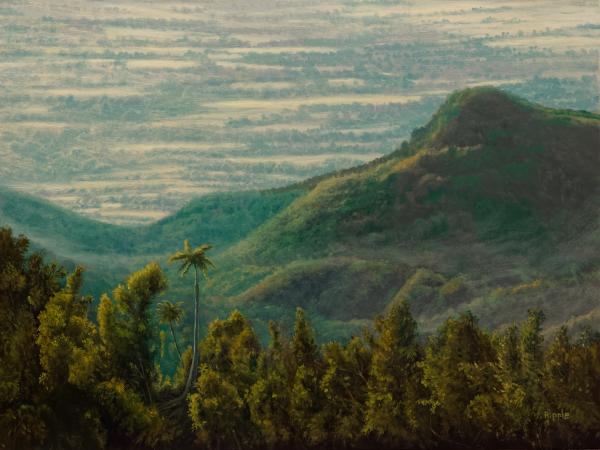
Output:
x=128 y=102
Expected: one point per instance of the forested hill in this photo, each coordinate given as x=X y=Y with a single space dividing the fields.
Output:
x=487 y=166
x=492 y=206
x=110 y=251
x=221 y=218
x=76 y=376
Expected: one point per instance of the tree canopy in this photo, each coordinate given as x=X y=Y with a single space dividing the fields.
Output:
x=73 y=375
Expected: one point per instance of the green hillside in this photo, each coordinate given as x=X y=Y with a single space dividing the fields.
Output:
x=58 y=229
x=219 y=218
x=109 y=252
x=495 y=193
x=488 y=166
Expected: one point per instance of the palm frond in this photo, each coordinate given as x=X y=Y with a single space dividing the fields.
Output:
x=203 y=248
x=170 y=312
x=185 y=267
x=192 y=258
x=178 y=257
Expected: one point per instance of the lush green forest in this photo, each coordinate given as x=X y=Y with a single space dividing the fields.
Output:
x=74 y=376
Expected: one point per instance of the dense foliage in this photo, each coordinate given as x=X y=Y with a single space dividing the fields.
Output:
x=74 y=378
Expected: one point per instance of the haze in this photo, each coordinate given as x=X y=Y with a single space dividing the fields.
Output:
x=125 y=111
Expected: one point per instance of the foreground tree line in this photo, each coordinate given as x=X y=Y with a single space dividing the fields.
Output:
x=73 y=378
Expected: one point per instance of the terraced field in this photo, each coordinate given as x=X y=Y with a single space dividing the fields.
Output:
x=125 y=111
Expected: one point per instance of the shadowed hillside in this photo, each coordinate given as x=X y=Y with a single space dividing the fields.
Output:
x=219 y=218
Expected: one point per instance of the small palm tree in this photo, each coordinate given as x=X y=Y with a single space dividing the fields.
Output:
x=193 y=258
x=170 y=313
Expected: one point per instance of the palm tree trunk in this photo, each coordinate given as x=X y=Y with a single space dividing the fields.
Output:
x=144 y=377
x=194 y=364
x=175 y=340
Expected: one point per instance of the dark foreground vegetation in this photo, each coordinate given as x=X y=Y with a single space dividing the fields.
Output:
x=74 y=378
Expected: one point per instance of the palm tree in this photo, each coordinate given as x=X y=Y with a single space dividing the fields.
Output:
x=193 y=258
x=170 y=313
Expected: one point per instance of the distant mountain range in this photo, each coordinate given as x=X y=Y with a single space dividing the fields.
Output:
x=493 y=206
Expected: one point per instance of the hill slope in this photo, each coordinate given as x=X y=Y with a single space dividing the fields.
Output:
x=218 y=218
x=488 y=165
x=110 y=252
x=496 y=196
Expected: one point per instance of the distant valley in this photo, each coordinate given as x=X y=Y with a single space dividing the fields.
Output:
x=492 y=207
x=126 y=111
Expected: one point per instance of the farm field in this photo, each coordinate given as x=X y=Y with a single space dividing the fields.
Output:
x=125 y=111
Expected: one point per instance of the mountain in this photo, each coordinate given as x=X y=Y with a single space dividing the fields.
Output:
x=488 y=166
x=492 y=206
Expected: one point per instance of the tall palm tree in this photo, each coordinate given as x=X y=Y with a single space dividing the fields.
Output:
x=170 y=313
x=193 y=258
